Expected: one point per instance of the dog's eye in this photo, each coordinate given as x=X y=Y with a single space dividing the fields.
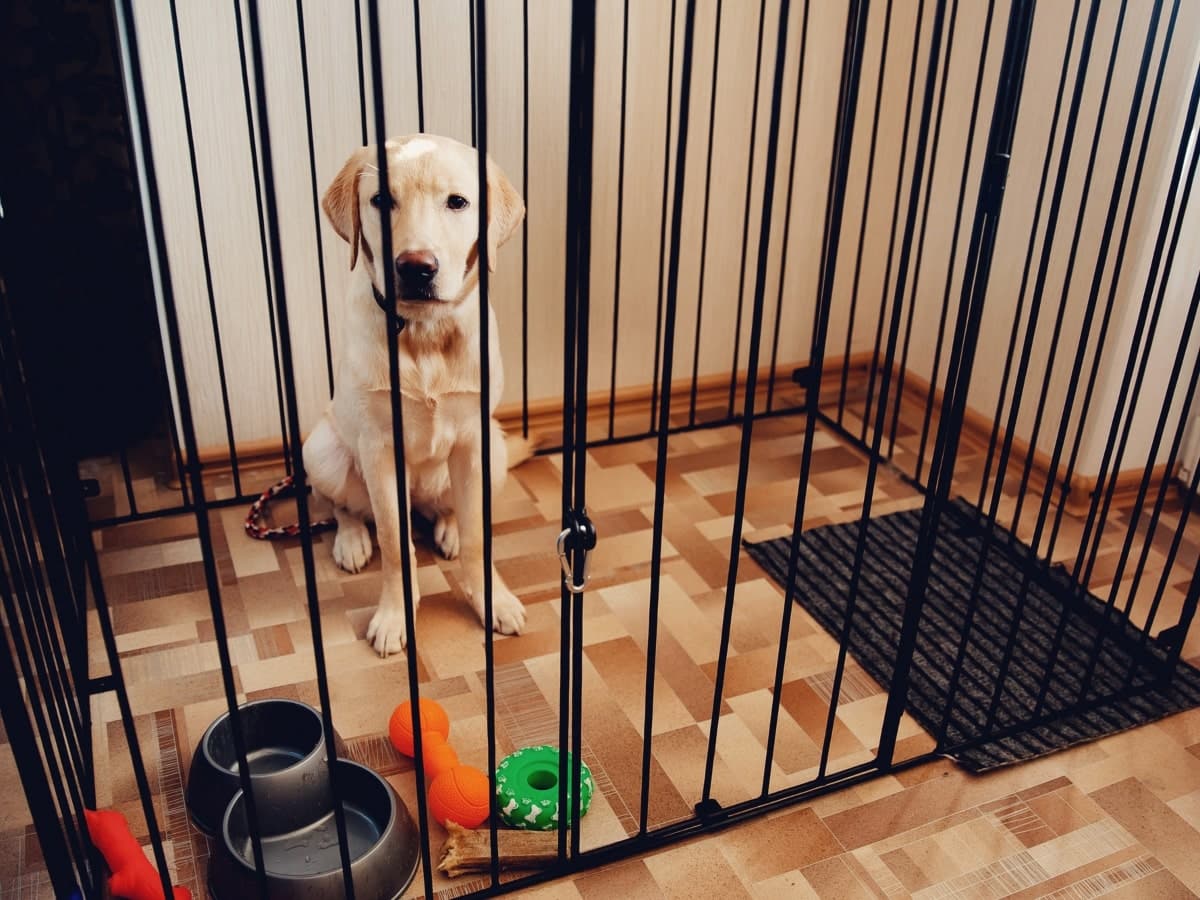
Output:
x=457 y=201
x=379 y=201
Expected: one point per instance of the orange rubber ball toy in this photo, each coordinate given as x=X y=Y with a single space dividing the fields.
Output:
x=437 y=755
x=460 y=795
x=400 y=726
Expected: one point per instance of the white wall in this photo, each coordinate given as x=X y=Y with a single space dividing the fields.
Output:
x=212 y=69
x=1057 y=356
x=226 y=181
x=1159 y=339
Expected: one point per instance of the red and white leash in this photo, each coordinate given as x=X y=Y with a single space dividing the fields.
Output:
x=255 y=527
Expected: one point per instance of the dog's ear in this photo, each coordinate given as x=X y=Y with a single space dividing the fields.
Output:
x=506 y=209
x=341 y=201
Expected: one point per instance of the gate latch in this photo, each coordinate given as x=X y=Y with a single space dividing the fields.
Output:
x=578 y=537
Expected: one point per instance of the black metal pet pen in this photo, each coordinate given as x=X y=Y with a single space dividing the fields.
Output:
x=1045 y=417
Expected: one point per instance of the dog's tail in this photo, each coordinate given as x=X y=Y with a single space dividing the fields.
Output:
x=520 y=449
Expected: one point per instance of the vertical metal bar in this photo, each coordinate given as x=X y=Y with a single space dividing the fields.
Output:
x=958 y=217
x=202 y=232
x=836 y=195
x=1114 y=280
x=1047 y=243
x=702 y=265
x=64 y=611
x=156 y=237
x=1036 y=298
x=108 y=636
x=662 y=226
x=967 y=331
x=176 y=443
x=1052 y=478
x=472 y=53
x=1135 y=513
x=34 y=780
x=1001 y=469
x=887 y=369
x=1092 y=532
x=866 y=211
x=887 y=272
x=1126 y=393
x=1039 y=287
x=525 y=221
x=737 y=316
x=127 y=477
x=485 y=414
x=570 y=373
x=578 y=272
x=1185 y=512
x=916 y=281
x=46 y=674
x=262 y=234
x=47 y=537
x=26 y=567
x=616 y=319
x=362 y=72
x=973 y=595
x=420 y=64
x=316 y=196
x=407 y=574
x=760 y=290
x=299 y=476
x=664 y=411
x=43 y=698
x=785 y=243
x=1186 y=616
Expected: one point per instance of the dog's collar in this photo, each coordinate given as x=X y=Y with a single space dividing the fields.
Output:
x=396 y=322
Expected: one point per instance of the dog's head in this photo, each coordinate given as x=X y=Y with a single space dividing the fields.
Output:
x=432 y=198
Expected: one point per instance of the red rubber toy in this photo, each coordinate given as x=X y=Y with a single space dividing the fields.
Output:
x=133 y=877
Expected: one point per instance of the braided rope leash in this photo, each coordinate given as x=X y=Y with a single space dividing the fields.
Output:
x=255 y=527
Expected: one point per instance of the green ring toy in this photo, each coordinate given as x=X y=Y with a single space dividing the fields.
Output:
x=527 y=788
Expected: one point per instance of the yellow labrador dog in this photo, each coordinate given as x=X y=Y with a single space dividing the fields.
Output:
x=432 y=196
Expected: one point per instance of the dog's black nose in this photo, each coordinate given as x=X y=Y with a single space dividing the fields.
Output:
x=415 y=270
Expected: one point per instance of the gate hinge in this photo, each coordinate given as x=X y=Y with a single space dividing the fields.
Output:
x=579 y=536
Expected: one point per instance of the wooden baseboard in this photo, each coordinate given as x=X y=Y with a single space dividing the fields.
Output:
x=545 y=416
x=977 y=428
x=545 y=424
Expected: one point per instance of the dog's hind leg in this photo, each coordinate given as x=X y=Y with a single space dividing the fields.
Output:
x=332 y=473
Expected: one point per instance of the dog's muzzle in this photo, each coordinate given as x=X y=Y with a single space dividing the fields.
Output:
x=415 y=271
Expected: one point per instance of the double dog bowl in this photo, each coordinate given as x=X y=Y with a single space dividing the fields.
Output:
x=294 y=806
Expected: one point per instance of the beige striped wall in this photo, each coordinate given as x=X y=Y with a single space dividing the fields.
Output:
x=212 y=68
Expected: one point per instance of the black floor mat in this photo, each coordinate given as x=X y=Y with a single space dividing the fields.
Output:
x=825 y=564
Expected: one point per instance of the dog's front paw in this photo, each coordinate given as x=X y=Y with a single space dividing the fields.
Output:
x=445 y=535
x=387 y=633
x=352 y=546
x=508 y=615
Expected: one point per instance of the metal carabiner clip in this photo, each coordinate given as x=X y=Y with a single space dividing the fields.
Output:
x=566 y=560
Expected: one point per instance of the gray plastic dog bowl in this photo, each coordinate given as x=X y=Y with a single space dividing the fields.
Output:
x=286 y=755
x=306 y=864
